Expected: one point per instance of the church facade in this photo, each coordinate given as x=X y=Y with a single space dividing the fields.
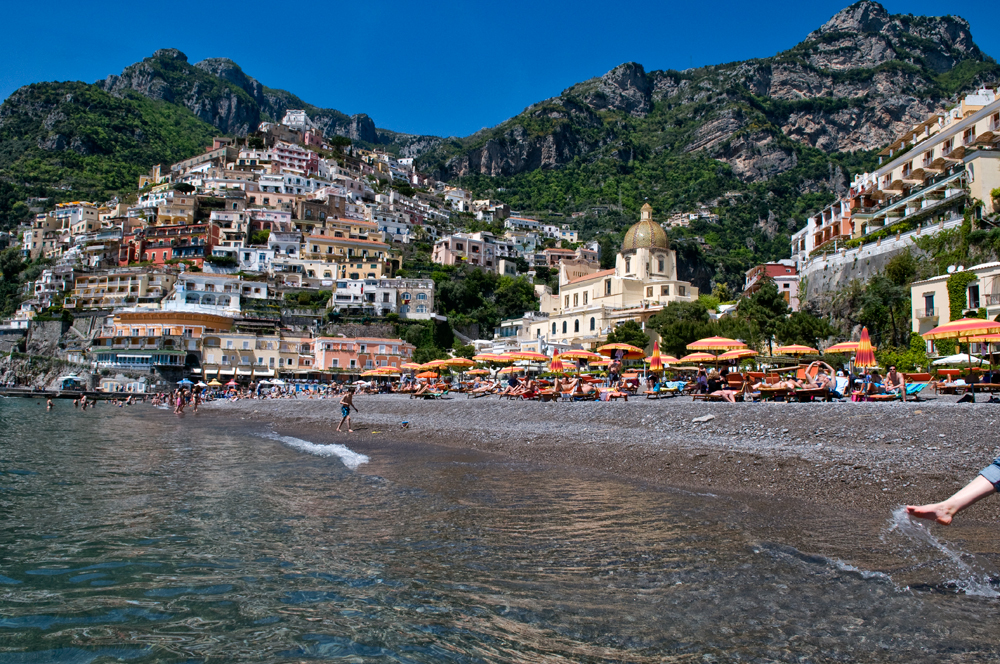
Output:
x=592 y=302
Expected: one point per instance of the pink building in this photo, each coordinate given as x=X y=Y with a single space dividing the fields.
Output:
x=341 y=353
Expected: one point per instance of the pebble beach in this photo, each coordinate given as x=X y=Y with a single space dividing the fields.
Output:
x=864 y=457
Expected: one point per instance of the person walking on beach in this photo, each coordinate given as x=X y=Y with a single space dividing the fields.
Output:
x=986 y=483
x=346 y=403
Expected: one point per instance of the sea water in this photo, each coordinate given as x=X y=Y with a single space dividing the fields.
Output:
x=132 y=534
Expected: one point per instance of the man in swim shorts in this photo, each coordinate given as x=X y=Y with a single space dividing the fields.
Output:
x=346 y=403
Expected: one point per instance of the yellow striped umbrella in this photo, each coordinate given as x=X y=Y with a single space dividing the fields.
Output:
x=964 y=329
x=699 y=357
x=529 y=355
x=629 y=352
x=485 y=357
x=478 y=372
x=580 y=355
x=843 y=347
x=656 y=360
x=796 y=349
x=716 y=343
x=556 y=365
x=737 y=354
x=865 y=357
x=507 y=370
x=409 y=365
x=457 y=362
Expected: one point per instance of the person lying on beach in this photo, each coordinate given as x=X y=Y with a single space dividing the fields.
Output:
x=482 y=388
x=579 y=388
x=985 y=484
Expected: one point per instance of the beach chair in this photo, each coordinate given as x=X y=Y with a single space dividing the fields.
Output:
x=813 y=394
x=435 y=395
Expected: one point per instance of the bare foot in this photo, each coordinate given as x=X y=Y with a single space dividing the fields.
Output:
x=350 y=431
x=939 y=512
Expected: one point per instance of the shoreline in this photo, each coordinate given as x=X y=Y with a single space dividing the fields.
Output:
x=866 y=458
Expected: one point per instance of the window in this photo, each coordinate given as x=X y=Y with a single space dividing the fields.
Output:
x=210 y=358
x=585 y=293
x=225 y=359
x=649 y=291
x=229 y=343
x=353 y=363
x=576 y=299
x=974 y=296
x=628 y=265
x=593 y=323
x=576 y=325
x=681 y=291
x=564 y=327
x=245 y=359
x=246 y=345
x=421 y=308
x=334 y=363
x=567 y=301
x=665 y=290
x=929 y=305
x=607 y=287
x=553 y=328
x=421 y=296
x=661 y=265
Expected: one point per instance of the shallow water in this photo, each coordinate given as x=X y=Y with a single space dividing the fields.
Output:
x=136 y=535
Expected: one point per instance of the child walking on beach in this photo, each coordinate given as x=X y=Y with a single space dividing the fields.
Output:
x=346 y=403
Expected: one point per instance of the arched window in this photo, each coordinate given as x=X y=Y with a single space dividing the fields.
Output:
x=564 y=327
x=593 y=323
x=553 y=328
x=404 y=297
x=576 y=325
x=191 y=298
x=421 y=296
x=404 y=309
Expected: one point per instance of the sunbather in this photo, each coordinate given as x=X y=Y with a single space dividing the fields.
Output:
x=579 y=388
x=895 y=383
x=423 y=389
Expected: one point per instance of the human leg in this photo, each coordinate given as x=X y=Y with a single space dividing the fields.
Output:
x=983 y=485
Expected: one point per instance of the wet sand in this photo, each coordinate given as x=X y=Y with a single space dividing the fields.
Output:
x=853 y=457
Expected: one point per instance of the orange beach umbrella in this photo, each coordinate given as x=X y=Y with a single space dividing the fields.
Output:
x=738 y=354
x=796 y=349
x=865 y=357
x=656 y=360
x=629 y=352
x=427 y=374
x=699 y=357
x=556 y=365
x=580 y=355
x=716 y=343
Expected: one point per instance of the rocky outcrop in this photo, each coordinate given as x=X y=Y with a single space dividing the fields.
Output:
x=855 y=83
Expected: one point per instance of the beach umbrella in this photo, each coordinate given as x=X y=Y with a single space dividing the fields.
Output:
x=656 y=360
x=485 y=357
x=865 y=356
x=231 y=383
x=843 y=347
x=556 y=365
x=214 y=383
x=961 y=358
x=580 y=355
x=529 y=355
x=184 y=381
x=478 y=372
x=427 y=374
x=503 y=358
x=409 y=366
x=600 y=363
x=699 y=357
x=628 y=351
x=457 y=362
x=201 y=384
x=796 y=349
x=433 y=364
x=665 y=359
x=738 y=354
x=716 y=343
x=507 y=370
x=964 y=329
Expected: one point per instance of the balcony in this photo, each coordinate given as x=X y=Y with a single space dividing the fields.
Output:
x=921 y=314
x=991 y=300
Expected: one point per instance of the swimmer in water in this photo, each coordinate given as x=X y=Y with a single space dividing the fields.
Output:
x=985 y=484
x=48 y=404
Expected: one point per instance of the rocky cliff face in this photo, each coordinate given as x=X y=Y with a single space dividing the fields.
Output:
x=853 y=84
x=219 y=92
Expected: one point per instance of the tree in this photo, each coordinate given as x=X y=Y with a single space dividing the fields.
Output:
x=463 y=350
x=631 y=333
x=522 y=265
x=259 y=237
x=804 y=328
x=722 y=293
x=763 y=311
x=184 y=187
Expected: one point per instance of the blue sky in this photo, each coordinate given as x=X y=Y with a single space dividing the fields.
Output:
x=445 y=68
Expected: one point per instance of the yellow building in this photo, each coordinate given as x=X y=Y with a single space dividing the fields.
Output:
x=155 y=339
x=118 y=288
x=592 y=302
x=243 y=356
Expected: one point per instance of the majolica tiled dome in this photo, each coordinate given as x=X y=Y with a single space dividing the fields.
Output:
x=646 y=234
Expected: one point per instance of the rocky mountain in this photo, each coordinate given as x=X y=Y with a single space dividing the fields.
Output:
x=218 y=92
x=853 y=84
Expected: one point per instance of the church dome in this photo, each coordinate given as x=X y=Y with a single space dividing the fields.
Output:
x=647 y=234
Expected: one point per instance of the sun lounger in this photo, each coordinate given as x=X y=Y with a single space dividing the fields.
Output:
x=706 y=397
x=813 y=394
x=772 y=393
x=434 y=395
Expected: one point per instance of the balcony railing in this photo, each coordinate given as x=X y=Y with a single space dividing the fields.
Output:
x=993 y=299
x=927 y=313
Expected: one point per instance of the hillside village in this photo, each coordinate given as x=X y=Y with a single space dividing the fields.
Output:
x=278 y=254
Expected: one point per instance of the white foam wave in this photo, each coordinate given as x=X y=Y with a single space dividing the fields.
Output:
x=973 y=577
x=347 y=456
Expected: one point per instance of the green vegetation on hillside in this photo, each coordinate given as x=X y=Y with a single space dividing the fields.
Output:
x=73 y=141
